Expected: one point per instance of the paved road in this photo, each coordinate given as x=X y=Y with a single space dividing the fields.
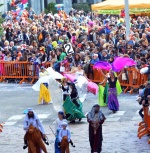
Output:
x=120 y=129
x=16 y=98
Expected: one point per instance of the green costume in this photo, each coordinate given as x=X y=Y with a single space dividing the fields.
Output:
x=103 y=95
x=72 y=109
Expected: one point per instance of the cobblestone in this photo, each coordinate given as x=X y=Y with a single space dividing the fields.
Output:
x=119 y=137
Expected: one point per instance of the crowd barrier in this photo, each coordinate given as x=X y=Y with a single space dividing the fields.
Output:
x=130 y=79
x=144 y=127
x=26 y=71
x=23 y=71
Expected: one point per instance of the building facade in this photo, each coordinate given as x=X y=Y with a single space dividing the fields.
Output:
x=39 y=5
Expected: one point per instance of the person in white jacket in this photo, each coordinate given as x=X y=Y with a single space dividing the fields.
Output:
x=64 y=138
x=32 y=119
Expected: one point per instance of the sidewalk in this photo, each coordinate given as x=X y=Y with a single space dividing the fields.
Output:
x=119 y=137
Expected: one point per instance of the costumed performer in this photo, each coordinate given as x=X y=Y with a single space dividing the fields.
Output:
x=58 y=127
x=95 y=118
x=103 y=92
x=32 y=119
x=81 y=82
x=72 y=105
x=65 y=87
x=44 y=96
x=64 y=138
x=113 y=103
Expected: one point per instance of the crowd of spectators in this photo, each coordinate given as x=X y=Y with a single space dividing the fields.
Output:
x=41 y=38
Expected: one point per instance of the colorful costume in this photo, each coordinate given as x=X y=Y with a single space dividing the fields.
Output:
x=104 y=93
x=72 y=104
x=95 y=119
x=113 y=103
x=44 y=95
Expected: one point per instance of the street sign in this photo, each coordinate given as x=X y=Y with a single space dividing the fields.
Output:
x=68 y=48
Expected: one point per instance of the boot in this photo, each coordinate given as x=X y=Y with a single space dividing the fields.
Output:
x=25 y=146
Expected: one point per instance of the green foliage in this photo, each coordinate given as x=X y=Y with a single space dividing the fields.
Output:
x=1 y=22
x=51 y=8
x=82 y=6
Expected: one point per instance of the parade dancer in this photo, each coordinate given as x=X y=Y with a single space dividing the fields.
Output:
x=113 y=103
x=95 y=118
x=44 y=95
x=71 y=101
x=81 y=82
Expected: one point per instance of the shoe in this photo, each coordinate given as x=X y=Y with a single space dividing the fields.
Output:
x=25 y=146
x=80 y=119
x=114 y=112
x=46 y=142
x=72 y=121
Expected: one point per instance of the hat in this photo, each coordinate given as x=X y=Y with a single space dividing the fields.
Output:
x=95 y=55
x=61 y=113
x=42 y=67
x=96 y=105
x=104 y=51
x=30 y=110
x=64 y=124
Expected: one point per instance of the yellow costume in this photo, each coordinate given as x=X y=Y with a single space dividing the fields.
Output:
x=44 y=94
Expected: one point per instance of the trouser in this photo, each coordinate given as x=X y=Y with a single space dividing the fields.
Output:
x=57 y=144
x=140 y=113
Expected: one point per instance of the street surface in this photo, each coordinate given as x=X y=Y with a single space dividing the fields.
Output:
x=119 y=130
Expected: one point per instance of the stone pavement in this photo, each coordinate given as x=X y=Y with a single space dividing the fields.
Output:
x=119 y=130
x=119 y=137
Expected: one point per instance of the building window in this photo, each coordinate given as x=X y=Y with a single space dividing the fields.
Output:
x=59 y=1
x=74 y=1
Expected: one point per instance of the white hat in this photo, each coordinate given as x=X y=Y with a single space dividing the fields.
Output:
x=30 y=110
x=64 y=124
x=96 y=55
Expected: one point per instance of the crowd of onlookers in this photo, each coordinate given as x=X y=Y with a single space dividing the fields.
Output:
x=41 y=38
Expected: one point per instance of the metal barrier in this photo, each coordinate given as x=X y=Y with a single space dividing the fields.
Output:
x=144 y=127
x=28 y=72
x=24 y=71
x=131 y=78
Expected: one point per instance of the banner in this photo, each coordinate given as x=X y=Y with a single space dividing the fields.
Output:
x=131 y=11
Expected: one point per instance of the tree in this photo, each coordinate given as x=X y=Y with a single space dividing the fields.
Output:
x=51 y=8
x=82 y=6
x=1 y=22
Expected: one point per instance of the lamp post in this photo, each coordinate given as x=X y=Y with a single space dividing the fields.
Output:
x=127 y=18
